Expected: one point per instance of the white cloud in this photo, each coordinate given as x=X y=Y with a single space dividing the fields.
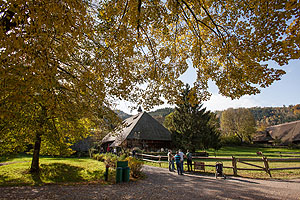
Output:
x=219 y=102
x=216 y=102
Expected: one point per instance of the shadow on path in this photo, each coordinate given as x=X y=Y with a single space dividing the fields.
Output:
x=162 y=184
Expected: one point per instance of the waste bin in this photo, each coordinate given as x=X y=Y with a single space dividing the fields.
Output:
x=122 y=164
x=119 y=175
x=122 y=172
x=126 y=174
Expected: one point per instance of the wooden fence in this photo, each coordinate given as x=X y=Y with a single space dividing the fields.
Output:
x=234 y=160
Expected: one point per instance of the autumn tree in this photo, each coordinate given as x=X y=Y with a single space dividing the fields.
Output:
x=238 y=123
x=296 y=109
x=50 y=94
x=64 y=63
x=191 y=126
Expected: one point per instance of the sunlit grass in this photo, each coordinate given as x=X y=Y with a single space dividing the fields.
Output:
x=249 y=152
x=53 y=170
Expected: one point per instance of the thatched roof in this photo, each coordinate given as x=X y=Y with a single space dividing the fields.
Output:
x=141 y=127
x=286 y=133
x=263 y=137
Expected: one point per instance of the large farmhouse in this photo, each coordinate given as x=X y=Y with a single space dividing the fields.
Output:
x=141 y=131
x=282 y=134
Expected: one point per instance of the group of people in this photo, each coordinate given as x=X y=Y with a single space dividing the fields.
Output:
x=178 y=158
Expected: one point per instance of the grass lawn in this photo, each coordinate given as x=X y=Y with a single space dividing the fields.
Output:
x=53 y=170
x=250 y=152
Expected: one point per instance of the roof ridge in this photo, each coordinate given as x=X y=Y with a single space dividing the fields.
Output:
x=287 y=123
x=136 y=119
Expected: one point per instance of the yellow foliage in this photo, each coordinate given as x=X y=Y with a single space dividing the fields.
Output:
x=63 y=61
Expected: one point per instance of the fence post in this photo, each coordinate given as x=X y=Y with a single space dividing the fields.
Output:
x=267 y=168
x=159 y=161
x=234 y=168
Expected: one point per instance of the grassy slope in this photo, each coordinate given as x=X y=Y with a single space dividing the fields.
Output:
x=53 y=170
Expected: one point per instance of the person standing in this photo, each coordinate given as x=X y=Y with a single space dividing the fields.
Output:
x=181 y=158
x=189 y=160
x=178 y=163
x=133 y=153
x=171 y=161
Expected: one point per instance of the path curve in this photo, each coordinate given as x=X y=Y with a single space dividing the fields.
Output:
x=162 y=184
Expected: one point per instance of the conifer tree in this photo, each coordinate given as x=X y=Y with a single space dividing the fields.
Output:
x=191 y=125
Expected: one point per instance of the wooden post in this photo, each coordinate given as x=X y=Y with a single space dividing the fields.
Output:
x=234 y=168
x=267 y=168
x=159 y=161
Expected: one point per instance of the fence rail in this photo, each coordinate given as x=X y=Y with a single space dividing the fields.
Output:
x=235 y=161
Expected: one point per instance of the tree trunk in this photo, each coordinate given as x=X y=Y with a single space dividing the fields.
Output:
x=35 y=168
x=240 y=137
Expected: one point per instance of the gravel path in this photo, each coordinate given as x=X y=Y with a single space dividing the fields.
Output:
x=162 y=184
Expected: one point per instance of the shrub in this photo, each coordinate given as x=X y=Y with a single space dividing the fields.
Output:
x=135 y=166
x=122 y=157
x=230 y=140
x=92 y=152
x=110 y=159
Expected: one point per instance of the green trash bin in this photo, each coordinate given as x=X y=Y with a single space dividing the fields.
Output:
x=119 y=175
x=122 y=164
x=126 y=174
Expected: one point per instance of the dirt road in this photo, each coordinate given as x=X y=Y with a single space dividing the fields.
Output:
x=162 y=184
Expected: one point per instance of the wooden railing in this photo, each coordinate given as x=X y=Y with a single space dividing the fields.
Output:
x=234 y=160
x=152 y=158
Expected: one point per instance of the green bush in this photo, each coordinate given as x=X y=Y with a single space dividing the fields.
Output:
x=99 y=157
x=122 y=157
x=110 y=159
x=230 y=140
x=135 y=167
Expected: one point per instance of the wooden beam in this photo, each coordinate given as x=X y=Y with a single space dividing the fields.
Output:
x=284 y=168
x=251 y=164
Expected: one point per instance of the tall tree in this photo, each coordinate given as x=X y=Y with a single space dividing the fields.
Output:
x=192 y=127
x=49 y=96
x=65 y=62
x=238 y=122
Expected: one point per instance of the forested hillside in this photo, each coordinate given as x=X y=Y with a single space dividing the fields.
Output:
x=122 y=114
x=276 y=115
x=266 y=116
x=160 y=114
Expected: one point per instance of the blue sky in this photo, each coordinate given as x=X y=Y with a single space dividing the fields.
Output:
x=283 y=92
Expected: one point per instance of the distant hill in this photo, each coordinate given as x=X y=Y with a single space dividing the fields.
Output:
x=270 y=116
x=275 y=115
x=122 y=114
x=263 y=115
x=160 y=114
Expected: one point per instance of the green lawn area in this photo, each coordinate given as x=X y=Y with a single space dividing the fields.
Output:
x=250 y=152
x=244 y=151
x=53 y=170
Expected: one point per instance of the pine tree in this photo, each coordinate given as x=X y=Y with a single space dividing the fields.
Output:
x=191 y=125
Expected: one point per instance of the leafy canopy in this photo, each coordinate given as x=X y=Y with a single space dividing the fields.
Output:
x=65 y=62
x=238 y=123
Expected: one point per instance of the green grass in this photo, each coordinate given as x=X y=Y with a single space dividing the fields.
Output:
x=244 y=151
x=250 y=152
x=53 y=170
